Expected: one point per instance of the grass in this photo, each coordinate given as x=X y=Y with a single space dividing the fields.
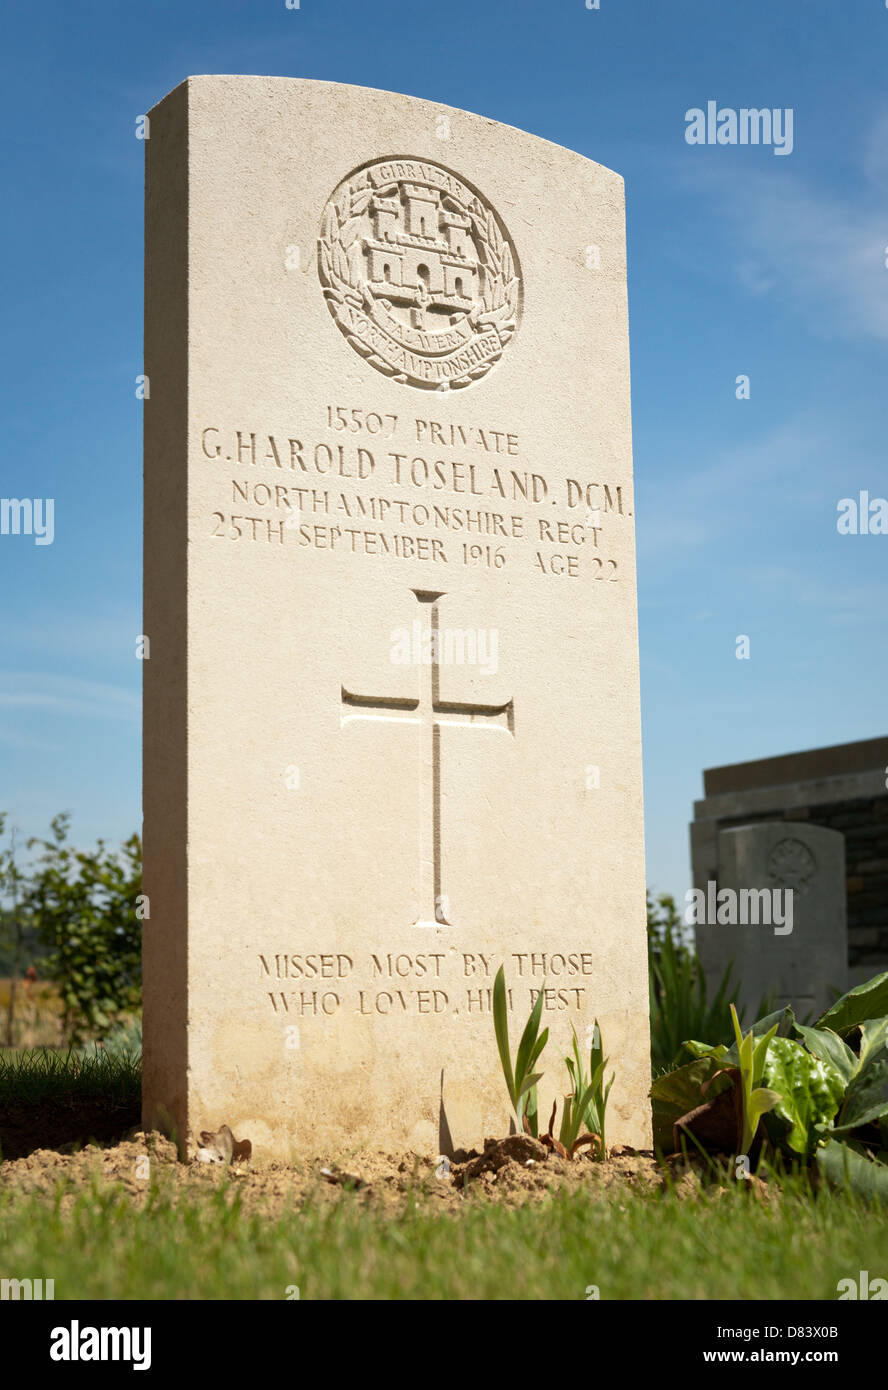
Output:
x=51 y=1099
x=43 y=1076
x=208 y=1247
x=188 y=1244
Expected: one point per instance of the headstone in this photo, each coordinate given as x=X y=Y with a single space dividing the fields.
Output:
x=840 y=788
x=789 y=951
x=392 y=706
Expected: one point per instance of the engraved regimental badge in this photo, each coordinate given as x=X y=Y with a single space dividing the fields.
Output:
x=419 y=273
x=792 y=865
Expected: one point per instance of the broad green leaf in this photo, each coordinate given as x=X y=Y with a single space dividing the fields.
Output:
x=760 y=1054
x=869 y=1000
x=829 y=1047
x=866 y=1099
x=679 y=1092
x=873 y=1039
x=809 y=1093
x=845 y=1165
x=681 y=1089
x=781 y=1020
x=701 y=1049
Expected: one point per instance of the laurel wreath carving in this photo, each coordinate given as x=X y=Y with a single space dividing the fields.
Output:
x=342 y=272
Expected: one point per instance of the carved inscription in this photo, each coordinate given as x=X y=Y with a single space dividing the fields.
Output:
x=396 y=488
x=419 y=273
x=381 y=984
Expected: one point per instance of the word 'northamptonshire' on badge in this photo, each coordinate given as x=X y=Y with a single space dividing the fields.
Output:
x=419 y=273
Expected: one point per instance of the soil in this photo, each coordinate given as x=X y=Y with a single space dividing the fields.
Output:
x=514 y=1170
x=67 y=1123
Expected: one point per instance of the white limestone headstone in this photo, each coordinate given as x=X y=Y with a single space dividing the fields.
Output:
x=392 y=705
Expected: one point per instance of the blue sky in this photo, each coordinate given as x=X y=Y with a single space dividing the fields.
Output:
x=740 y=262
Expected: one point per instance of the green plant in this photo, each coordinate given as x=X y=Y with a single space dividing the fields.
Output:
x=809 y=1092
x=755 y=1098
x=586 y=1104
x=820 y=1091
x=83 y=905
x=521 y=1081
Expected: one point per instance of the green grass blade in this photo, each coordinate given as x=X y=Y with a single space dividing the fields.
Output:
x=501 y=1028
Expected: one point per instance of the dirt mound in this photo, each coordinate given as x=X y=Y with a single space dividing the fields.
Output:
x=514 y=1170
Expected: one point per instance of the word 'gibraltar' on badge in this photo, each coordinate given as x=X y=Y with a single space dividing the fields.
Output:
x=419 y=273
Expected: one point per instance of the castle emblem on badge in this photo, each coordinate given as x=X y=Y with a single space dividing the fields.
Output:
x=419 y=273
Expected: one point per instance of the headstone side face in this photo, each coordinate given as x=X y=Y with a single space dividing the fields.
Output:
x=777 y=915
x=392 y=709
x=165 y=599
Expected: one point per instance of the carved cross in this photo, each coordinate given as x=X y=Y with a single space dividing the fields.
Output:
x=429 y=714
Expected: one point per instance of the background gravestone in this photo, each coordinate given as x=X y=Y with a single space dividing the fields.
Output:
x=807 y=968
x=391 y=708
x=839 y=788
